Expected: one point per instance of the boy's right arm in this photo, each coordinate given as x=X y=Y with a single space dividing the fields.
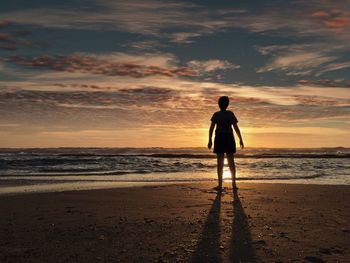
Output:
x=211 y=129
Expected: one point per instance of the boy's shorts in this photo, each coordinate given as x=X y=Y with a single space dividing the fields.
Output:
x=224 y=143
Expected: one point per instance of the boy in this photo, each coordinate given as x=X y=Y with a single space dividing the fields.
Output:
x=224 y=141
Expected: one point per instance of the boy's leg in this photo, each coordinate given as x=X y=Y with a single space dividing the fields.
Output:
x=231 y=164
x=220 y=166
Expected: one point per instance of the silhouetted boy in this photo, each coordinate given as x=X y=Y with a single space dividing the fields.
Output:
x=224 y=141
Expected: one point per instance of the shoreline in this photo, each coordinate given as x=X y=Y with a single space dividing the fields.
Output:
x=56 y=186
x=37 y=185
x=179 y=222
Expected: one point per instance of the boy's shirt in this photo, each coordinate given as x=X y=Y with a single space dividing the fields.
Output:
x=224 y=121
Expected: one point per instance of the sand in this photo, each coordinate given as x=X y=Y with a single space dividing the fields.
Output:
x=179 y=223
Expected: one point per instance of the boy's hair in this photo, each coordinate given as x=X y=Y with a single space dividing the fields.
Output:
x=223 y=102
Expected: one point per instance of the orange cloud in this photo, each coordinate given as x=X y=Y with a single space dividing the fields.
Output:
x=339 y=22
x=334 y=20
x=6 y=37
x=320 y=14
x=4 y=23
x=304 y=82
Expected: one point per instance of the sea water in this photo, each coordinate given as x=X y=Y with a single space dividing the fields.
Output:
x=85 y=168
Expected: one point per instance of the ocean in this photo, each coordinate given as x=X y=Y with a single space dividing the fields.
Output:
x=28 y=170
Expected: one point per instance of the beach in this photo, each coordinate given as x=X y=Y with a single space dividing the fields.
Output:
x=185 y=222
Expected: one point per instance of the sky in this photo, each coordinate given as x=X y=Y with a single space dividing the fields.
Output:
x=147 y=73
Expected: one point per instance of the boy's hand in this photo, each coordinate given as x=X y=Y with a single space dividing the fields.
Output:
x=241 y=144
x=210 y=144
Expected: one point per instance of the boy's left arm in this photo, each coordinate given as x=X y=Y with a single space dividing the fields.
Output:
x=238 y=132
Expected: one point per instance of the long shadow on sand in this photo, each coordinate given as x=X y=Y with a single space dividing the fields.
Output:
x=208 y=248
x=241 y=249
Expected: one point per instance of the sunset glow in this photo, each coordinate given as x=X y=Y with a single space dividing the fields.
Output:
x=149 y=73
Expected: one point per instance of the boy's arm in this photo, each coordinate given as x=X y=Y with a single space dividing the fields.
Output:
x=238 y=132
x=211 y=129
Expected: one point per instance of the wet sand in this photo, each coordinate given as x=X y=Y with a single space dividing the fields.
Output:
x=179 y=223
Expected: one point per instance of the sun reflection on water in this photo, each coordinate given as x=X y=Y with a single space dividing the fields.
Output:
x=226 y=172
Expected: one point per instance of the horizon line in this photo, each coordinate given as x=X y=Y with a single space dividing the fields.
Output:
x=160 y=147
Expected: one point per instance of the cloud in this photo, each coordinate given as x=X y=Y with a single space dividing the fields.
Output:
x=334 y=19
x=118 y=65
x=325 y=82
x=308 y=130
x=321 y=101
x=133 y=111
x=321 y=31
x=340 y=22
x=320 y=14
x=9 y=125
x=302 y=59
x=298 y=64
x=152 y=17
x=4 y=23
x=144 y=45
x=122 y=100
x=212 y=65
x=6 y=37
x=121 y=90
x=175 y=22
x=124 y=64
x=184 y=37
x=11 y=41
x=144 y=59
x=126 y=107
x=98 y=98
x=334 y=66
x=9 y=47
x=315 y=18
x=142 y=17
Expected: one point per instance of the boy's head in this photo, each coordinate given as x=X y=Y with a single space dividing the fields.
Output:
x=223 y=102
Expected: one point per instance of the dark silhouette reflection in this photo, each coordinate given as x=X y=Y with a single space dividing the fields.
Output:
x=208 y=248
x=241 y=242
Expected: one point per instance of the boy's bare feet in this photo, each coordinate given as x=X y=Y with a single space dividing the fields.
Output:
x=218 y=188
